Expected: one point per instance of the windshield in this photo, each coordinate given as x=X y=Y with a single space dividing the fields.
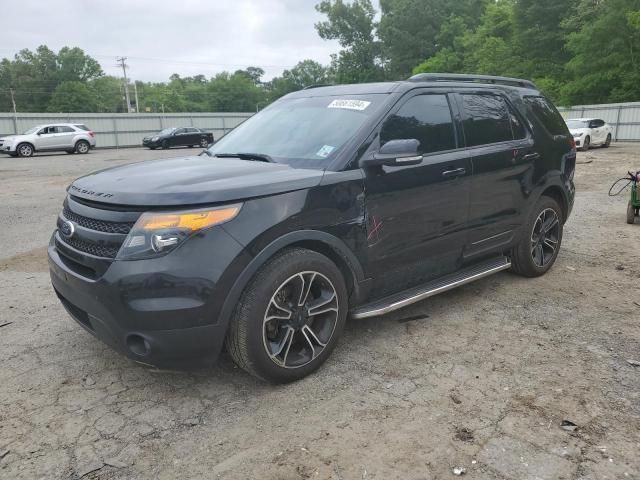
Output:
x=166 y=131
x=31 y=130
x=302 y=132
x=577 y=124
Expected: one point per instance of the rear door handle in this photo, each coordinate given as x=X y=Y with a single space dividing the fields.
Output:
x=531 y=156
x=454 y=173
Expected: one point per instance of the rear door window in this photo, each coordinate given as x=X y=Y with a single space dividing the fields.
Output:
x=426 y=118
x=486 y=119
x=547 y=114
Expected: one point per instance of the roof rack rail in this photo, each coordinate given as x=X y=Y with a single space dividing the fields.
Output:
x=460 y=77
x=318 y=85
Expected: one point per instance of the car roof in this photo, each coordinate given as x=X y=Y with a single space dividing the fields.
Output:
x=587 y=119
x=450 y=81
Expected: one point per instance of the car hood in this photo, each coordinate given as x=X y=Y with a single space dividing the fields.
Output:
x=191 y=181
x=11 y=137
x=577 y=131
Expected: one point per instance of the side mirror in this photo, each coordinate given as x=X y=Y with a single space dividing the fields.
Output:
x=395 y=153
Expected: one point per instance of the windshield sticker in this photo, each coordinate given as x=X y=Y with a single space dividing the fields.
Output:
x=325 y=151
x=349 y=104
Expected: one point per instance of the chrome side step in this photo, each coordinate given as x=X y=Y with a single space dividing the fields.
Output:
x=449 y=282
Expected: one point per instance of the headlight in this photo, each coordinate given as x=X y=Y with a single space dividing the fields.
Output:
x=578 y=134
x=158 y=233
x=155 y=139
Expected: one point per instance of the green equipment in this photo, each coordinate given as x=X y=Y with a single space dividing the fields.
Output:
x=633 y=206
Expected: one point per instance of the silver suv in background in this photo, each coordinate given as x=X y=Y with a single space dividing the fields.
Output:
x=68 y=137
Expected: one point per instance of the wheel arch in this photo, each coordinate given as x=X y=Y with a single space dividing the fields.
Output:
x=318 y=241
x=26 y=142
x=557 y=193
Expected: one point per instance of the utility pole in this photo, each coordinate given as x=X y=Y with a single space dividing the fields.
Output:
x=121 y=63
x=135 y=92
x=15 y=114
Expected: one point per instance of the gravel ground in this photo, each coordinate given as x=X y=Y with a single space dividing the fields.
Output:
x=479 y=378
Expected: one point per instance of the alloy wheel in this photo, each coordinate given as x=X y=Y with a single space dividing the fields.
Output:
x=300 y=319
x=25 y=150
x=545 y=237
x=83 y=147
x=204 y=143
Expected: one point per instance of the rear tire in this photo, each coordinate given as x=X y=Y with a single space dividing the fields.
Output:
x=631 y=213
x=541 y=238
x=607 y=141
x=289 y=317
x=25 y=150
x=82 y=147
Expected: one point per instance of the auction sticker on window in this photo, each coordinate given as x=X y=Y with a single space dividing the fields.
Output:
x=325 y=151
x=349 y=104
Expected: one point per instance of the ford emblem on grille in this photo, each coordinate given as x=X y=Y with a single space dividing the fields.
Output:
x=67 y=229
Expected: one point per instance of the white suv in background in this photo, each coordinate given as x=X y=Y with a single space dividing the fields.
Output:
x=68 y=137
x=589 y=132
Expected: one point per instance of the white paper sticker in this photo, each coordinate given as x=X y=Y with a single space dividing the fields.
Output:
x=349 y=104
x=325 y=151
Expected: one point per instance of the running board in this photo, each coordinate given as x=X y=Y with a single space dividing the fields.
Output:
x=448 y=282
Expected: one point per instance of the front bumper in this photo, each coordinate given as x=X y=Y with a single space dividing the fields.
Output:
x=162 y=311
x=147 y=142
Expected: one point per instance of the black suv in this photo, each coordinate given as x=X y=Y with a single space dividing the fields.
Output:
x=333 y=201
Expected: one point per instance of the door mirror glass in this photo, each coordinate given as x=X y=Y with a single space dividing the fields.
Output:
x=395 y=153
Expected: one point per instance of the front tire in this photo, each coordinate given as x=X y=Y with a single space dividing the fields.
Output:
x=541 y=238
x=82 y=147
x=289 y=317
x=25 y=150
x=587 y=144
x=607 y=141
x=164 y=144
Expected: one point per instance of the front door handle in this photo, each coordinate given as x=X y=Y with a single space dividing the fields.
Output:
x=454 y=173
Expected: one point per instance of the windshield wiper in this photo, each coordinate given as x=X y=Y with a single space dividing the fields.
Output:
x=260 y=157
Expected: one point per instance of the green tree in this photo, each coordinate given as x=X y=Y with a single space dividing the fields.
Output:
x=72 y=96
x=412 y=30
x=35 y=75
x=605 y=63
x=353 y=25
x=304 y=74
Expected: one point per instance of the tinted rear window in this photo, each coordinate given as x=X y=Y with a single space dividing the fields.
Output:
x=486 y=120
x=544 y=111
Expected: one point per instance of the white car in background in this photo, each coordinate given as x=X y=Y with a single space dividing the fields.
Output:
x=68 y=137
x=589 y=132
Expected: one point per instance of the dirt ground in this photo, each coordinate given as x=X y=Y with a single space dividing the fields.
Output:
x=482 y=380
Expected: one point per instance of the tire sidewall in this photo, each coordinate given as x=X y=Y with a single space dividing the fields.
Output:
x=256 y=300
x=525 y=247
x=18 y=149
x=79 y=145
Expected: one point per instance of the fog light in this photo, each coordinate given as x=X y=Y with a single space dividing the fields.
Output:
x=138 y=345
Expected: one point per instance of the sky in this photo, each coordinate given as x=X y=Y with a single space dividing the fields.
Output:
x=162 y=37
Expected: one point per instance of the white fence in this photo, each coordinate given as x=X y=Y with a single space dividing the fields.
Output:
x=623 y=117
x=125 y=129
